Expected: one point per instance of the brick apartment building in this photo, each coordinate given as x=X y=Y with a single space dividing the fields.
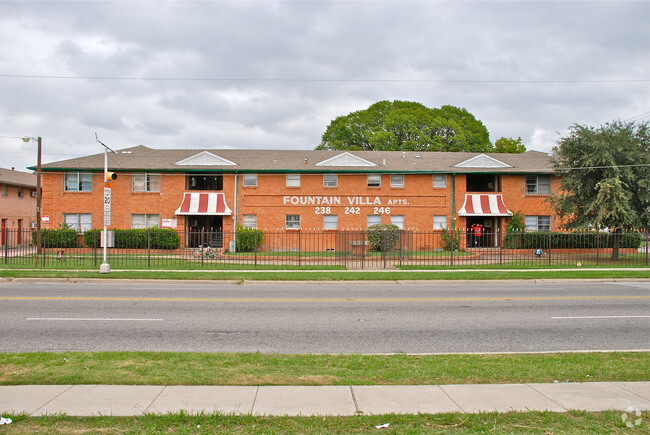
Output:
x=291 y=190
x=17 y=205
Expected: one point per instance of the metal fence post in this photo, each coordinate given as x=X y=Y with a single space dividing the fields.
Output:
x=6 y=243
x=299 y=247
x=550 y=246
x=149 y=248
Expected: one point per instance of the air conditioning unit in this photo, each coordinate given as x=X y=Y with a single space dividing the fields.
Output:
x=32 y=225
x=33 y=194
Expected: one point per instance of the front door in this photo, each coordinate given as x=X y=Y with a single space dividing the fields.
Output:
x=205 y=229
x=4 y=231
x=20 y=231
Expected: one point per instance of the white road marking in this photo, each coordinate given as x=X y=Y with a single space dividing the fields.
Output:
x=91 y=319
x=602 y=317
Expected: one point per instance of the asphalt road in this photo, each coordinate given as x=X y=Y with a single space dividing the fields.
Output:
x=377 y=317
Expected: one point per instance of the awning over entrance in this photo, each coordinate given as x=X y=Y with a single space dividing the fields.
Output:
x=484 y=205
x=197 y=203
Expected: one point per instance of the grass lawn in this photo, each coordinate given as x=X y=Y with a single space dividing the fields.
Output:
x=574 y=422
x=266 y=369
x=163 y=368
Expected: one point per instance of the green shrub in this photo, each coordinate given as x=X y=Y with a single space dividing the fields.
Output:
x=515 y=228
x=382 y=237
x=450 y=241
x=93 y=238
x=158 y=238
x=248 y=239
x=61 y=238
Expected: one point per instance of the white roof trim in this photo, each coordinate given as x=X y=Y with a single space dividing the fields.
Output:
x=346 y=159
x=205 y=158
x=482 y=161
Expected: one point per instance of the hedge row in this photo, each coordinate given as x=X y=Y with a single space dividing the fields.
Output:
x=154 y=238
x=535 y=240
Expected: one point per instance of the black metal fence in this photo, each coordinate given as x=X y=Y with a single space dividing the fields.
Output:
x=350 y=249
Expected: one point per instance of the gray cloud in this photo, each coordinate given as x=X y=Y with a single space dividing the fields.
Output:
x=265 y=74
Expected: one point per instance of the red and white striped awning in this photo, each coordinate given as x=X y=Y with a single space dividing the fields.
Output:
x=197 y=203
x=484 y=205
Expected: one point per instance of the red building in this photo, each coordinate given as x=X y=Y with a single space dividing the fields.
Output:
x=290 y=190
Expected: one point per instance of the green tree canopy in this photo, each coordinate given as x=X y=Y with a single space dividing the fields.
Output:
x=509 y=145
x=605 y=173
x=407 y=126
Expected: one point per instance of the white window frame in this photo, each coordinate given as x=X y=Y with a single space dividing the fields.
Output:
x=330 y=180
x=439 y=181
x=292 y=221
x=397 y=180
x=374 y=180
x=249 y=221
x=330 y=222
x=293 y=180
x=538 y=184
x=533 y=223
x=79 y=183
x=80 y=222
x=373 y=219
x=249 y=180
x=145 y=182
x=439 y=222
x=148 y=220
x=397 y=220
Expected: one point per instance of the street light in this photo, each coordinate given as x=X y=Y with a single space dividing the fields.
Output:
x=38 y=197
x=105 y=267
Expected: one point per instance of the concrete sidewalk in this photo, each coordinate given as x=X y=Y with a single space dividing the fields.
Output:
x=121 y=400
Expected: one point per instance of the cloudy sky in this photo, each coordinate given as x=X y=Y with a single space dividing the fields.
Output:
x=263 y=74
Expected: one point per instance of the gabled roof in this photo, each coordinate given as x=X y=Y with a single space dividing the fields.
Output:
x=205 y=158
x=17 y=178
x=142 y=158
x=345 y=159
x=482 y=161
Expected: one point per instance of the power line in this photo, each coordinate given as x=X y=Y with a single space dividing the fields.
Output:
x=307 y=80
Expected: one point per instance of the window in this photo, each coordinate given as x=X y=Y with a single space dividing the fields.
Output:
x=4 y=190
x=439 y=180
x=374 y=180
x=20 y=192
x=145 y=220
x=397 y=180
x=78 y=221
x=293 y=221
x=293 y=180
x=538 y=223
x=204 y=182
x=249 y=221
x=397 y=220
x=538 y=184
x=250 y=180
x=78 y=182
x=374 y=219
x=330 y=222
x=330 y=180
x=145 y=182
x=439 y=222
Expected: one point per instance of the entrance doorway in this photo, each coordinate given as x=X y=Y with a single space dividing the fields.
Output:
x=482 y=231
x=206 y=229
x=4 y=231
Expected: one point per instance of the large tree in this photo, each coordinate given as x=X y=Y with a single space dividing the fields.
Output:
x=407 y=126
x=509 y=145
x=605 y=173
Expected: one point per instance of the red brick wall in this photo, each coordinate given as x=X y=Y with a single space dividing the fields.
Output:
x=418 y=201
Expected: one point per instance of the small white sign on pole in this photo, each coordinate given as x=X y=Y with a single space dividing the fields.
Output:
x=107 y=206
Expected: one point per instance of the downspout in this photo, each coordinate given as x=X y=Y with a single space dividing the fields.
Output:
x=234 y=234
x=453 y=235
